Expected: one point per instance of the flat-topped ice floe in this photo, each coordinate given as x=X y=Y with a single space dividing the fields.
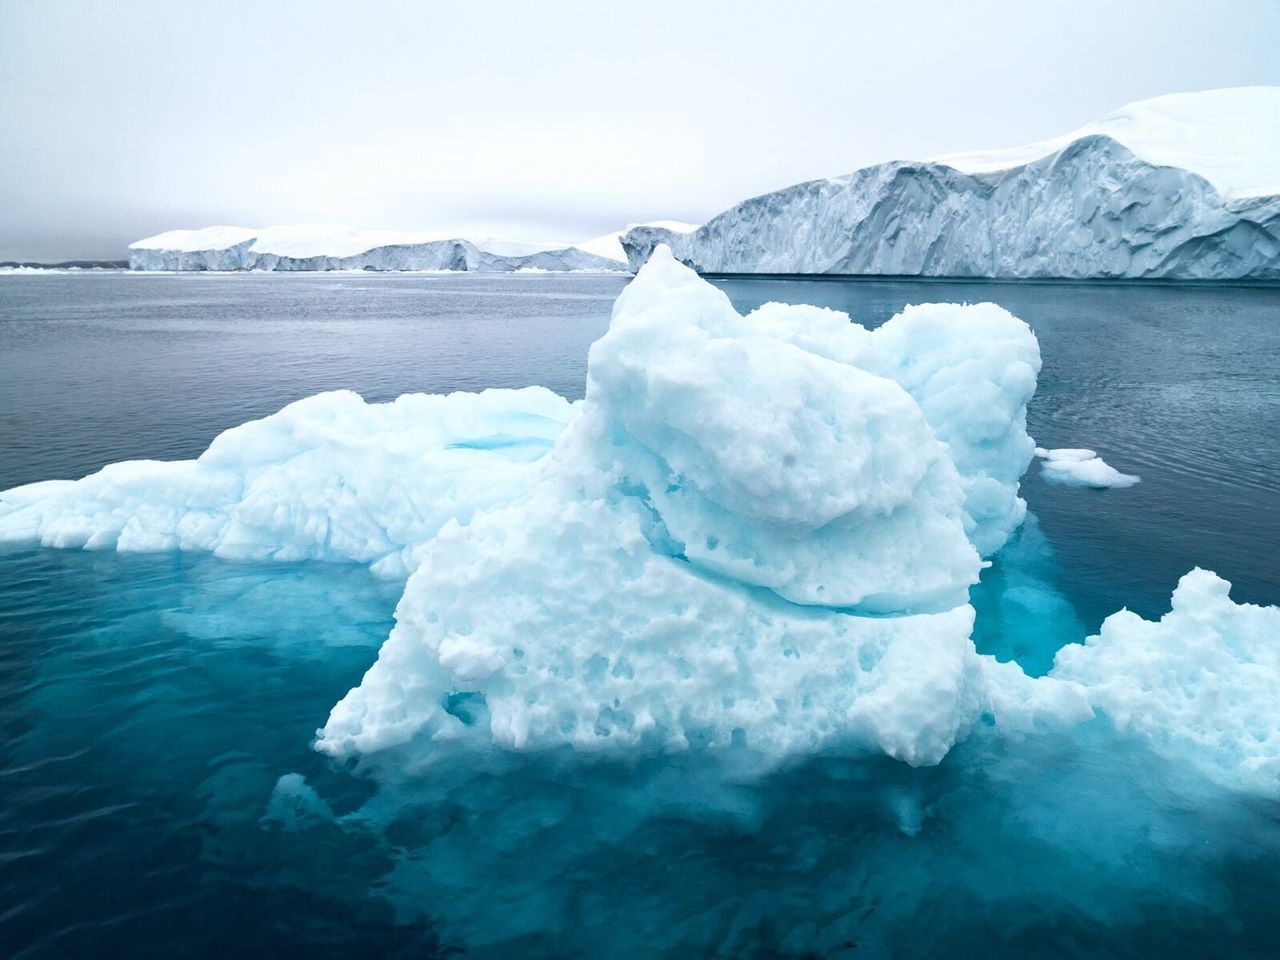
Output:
x=1077 y=467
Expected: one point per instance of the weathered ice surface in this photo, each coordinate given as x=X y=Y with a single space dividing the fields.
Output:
x=1092 y=209
x=1185 y=186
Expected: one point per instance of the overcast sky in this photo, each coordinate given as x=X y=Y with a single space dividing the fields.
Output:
x=543 y=120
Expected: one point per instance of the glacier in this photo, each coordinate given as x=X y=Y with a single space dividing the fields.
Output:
x=328 y=247
x=1179 y=187
x=752 y=542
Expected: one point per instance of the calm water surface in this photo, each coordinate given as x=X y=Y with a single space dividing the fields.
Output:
x=151 y=705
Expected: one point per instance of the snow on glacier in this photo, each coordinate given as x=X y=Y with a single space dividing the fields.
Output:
x=1079 y=467
x=609 y=245
x=755 y=536
x=1230 y=137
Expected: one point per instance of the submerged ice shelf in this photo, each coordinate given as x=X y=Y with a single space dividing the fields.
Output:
x=755 y=537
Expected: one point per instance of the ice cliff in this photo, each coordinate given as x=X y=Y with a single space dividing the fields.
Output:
x=1178 y=187
x=337 y=248
x=753 y=539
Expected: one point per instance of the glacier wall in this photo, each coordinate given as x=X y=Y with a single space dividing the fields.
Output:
x=1090 y=210
x=456 y=254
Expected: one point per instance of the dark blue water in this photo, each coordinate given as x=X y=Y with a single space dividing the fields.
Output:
x=158 y=793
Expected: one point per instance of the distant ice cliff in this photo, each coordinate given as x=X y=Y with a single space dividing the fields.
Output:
x=1181 y=187
x=338 y=248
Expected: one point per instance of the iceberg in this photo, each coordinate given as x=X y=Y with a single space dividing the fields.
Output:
x=327 y=247
x=1178 y=187
x=327 y=478
x=1077 y=467
x=753 y=541
x=753 y=535
x=1198 y=685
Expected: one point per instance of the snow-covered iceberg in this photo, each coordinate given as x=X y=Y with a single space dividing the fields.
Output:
x=340 y=248
x=753 y=540
x=1180 y=187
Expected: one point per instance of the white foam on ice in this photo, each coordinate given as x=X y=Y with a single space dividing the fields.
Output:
x=1230 y=136
x=1078 y=467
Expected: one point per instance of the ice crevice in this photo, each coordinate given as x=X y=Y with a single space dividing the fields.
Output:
x=755 y=535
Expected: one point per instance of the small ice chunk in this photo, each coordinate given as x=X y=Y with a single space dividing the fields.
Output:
x=1078 y=467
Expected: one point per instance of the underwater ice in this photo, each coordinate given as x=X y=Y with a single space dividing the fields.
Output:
x=1077 y=467
x=754 y=538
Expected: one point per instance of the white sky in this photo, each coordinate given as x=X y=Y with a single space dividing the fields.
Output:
x=543 y=120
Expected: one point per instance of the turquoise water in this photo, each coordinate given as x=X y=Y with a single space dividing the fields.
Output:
x=158 y=793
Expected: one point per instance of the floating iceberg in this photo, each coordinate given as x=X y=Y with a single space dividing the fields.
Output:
x=1077 y=467
x=1182 y=186
x=748 y=537
x=1199 y=685
x=341 y=248
x=327 y=478
x=753 y=539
